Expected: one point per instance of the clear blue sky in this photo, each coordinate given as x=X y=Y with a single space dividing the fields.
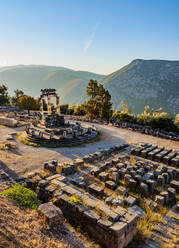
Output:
x=94 y=35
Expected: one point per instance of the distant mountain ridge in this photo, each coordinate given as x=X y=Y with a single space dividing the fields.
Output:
x=70 y=84
x=146 y=82
x=140 y=83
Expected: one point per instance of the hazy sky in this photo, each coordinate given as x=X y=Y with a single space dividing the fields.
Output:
x=94 y=35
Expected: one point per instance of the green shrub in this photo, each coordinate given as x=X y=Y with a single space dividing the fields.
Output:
x=165 y=123
x=127 y=117
x=26 y=198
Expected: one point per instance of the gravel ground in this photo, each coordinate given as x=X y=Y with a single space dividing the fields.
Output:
x=27 y=158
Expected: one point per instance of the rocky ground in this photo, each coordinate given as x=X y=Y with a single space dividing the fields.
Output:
x=16 y=225
x=165 y=234
x=26 y=158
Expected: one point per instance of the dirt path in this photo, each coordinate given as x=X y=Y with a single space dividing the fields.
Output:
x=27 y=158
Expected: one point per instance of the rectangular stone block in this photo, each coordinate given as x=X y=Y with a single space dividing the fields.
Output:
x=52 y=214
x=175 y=161
x=96 y=190
x=159 y=156
x=111 y=185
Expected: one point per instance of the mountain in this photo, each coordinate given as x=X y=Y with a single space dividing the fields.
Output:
x=140 y=83
x=70 y=84
x=146 y=82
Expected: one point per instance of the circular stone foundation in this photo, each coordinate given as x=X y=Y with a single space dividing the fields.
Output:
x=70 y=134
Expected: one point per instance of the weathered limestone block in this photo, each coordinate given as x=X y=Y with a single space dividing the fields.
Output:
x=71 y=191
x=113 y=169
x=91 y=216
x=174 y=172
x=151 y=155
x=159 y=156
x=133 y=173
x=108 y=164
x=96 y=190
x=78 y=162
x=160 y=180
x=175 y=161
x=138 y=179
x=160 y=200
x=148 y=176
x=130 y=200
x=132 y=185
x=66 y=169
x=115 y=177
x=55 y=176
x=121 y=190
x=50 y=166
x=167 y=159
x=171 y=193
x=115 y=161
x=175 y=184
x=122 y=173
x=52 y=214
x=166 y=177
x=158 y=172
x=120 y=166
x=151 y=185
x=48 y=193
x=170 y=174
x=104 y=223
x=109 y=200
x=95 y=171
x=144 y=189
x=145 y=152
x=120 y=211
x=29 y=183
x=109 y=213
x=137 y=210
x=43 y=183
x=127 y=177
x=153 y=205
x=119 y=201
x=111 y=185
x=118 y=229
x=104 y=176
x=165 y=195
x=91 y=203
x=87 y=159
x=140 y=171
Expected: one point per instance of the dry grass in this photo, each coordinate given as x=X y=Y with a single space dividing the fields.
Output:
x=22 y=138
x=25 y=229
x=6 y=145
x=149 y=222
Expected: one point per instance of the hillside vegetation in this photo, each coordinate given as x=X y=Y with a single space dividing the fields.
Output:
x=140 y=83
x=146 y=82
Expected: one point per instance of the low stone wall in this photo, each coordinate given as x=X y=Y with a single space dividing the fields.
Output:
x=158 y=154
x=8 y=122
x=134 y=127
x=114 y=234
x=110 y=226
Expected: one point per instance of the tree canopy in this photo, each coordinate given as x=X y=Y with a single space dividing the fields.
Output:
x=99 y=104
x=4 y=97
x=18 y=93
x=28 y=103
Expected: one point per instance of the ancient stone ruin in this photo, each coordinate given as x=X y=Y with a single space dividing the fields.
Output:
x=53 y=119
x=96 y=192
x=52 y=128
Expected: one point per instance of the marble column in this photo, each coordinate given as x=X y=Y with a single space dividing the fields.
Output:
x=57 y=105
x=48 y=105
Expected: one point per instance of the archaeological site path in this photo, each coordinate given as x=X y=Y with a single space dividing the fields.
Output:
x=27 y=158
